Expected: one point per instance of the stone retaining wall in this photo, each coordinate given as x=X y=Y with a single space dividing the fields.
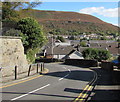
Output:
x=11 y=54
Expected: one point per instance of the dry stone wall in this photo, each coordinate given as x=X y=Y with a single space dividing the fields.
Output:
x=11 y=54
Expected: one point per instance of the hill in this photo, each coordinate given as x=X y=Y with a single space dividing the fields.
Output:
x=72 y=23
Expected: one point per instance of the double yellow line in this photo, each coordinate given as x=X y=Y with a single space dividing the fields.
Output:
x=83 y=95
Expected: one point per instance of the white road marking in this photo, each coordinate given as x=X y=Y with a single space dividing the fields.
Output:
x=63 y=77
x=30 y=92
x=69 y=70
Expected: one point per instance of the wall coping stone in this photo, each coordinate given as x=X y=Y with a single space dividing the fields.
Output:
x=10 y=37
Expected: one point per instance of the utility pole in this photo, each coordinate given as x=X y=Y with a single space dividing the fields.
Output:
x=118 y=48
x=52 y=48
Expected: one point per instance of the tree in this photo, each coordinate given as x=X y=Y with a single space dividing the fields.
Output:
x=8 y=12
x=9 y=9
x=32 y=36
x=60 y=38
x=103 y=38
x=33 y=33
x=97 y=54
x=72 y=38
x=83 y=44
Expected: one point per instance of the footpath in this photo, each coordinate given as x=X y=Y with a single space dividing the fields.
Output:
x=107 y=87
x=24 y=75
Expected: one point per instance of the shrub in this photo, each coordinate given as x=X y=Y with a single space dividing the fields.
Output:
x=12 y=32
x=31 y=55
x=97 y=54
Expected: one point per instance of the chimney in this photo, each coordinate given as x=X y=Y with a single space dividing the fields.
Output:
x=118 y=45
x=109 y=45
x=119 y=48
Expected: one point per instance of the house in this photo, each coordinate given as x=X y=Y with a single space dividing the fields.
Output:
x=111 y=46
x=58 y=52
x=62 y=43
x=74 y=55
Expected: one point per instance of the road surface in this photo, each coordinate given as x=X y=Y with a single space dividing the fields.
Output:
x=63 y=82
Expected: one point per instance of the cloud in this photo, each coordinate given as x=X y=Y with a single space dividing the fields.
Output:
x=115 y=24
x=112 y=12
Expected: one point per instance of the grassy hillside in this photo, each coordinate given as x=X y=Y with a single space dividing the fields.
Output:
x=59 y=22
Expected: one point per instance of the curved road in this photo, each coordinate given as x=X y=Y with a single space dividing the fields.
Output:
x=63 y=82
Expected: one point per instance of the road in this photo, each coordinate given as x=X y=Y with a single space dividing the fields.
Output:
x=63 y=82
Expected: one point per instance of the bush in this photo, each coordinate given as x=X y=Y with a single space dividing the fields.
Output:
x=12 y=32
x=31 y=55
x=97 y=54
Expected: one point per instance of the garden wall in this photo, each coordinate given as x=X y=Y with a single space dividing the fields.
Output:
x=82 y=62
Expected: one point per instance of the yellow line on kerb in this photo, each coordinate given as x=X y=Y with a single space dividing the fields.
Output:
x=90 y=88
x=82 y=95
x=86 y=87
x=22 y=81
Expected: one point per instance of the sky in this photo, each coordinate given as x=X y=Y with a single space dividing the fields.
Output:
x=106 y=11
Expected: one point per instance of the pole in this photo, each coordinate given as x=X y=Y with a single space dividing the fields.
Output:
x=41 y=67
x=118 y=48
x=29 y=70
x=52 y=48
x=0 y=68
x=15 y=72
x=37 y=67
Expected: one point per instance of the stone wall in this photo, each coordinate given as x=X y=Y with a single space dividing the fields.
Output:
x=12 y=53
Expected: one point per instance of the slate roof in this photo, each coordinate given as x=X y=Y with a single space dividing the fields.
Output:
x=64 y=50
x=60 y=50
x=112 y=47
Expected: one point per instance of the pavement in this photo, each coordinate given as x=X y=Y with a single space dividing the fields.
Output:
x=22 y=75
x=107 y=88
x=62 y=83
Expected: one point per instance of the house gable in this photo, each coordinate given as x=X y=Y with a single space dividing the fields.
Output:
x=76 y=55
